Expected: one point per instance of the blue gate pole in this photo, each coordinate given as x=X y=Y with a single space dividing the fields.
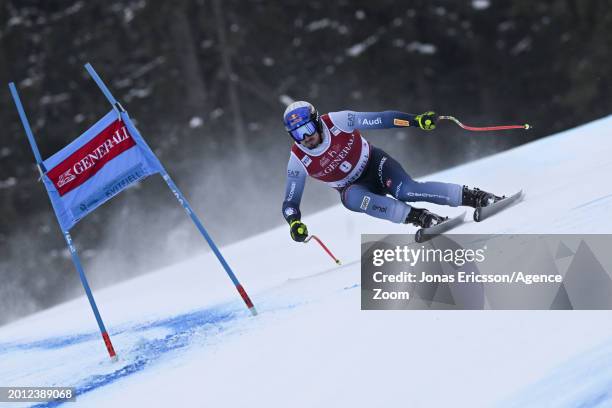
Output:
x=175 y=190
x=67 y=237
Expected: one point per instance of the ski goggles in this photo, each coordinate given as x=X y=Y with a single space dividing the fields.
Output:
x=302 y=132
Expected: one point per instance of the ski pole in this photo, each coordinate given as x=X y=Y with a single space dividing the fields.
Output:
x=526 y=126
x=324 y=247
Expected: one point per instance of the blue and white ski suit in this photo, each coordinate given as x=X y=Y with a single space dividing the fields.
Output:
x=368 y=179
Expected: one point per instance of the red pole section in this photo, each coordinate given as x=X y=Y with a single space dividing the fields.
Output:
x=324 y=248
x=526 y=126
x=109 y=346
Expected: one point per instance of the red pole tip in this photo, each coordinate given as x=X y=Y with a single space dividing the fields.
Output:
x=109 y=346
x=326 y=249
x=245 y=297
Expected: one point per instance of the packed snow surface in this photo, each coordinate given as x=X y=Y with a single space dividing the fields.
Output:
x=184 y=337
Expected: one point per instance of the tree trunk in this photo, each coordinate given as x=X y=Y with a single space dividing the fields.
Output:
x=186 y=52
x=234 y=98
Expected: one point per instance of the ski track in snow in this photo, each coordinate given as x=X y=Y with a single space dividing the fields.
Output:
x=597 y=200
x=583 y=382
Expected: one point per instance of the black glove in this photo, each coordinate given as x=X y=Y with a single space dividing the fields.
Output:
x=299 y=232
x=427 y=120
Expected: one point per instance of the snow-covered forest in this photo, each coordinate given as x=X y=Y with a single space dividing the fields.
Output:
x=207 y=81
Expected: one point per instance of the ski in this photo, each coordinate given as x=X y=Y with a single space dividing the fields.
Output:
x=424 y=234
x=482 y=213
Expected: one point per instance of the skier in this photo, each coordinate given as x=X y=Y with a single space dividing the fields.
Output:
x=331 y=149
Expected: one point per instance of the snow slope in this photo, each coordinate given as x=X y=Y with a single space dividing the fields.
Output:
x=185 y=339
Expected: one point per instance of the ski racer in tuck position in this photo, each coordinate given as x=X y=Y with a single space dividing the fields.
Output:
x=330 y=148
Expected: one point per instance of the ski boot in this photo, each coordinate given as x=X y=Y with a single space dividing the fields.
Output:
x=423 y=218
x=478 y=198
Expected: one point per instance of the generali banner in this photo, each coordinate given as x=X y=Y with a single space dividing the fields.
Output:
x=95 y=167
x=85 y=162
